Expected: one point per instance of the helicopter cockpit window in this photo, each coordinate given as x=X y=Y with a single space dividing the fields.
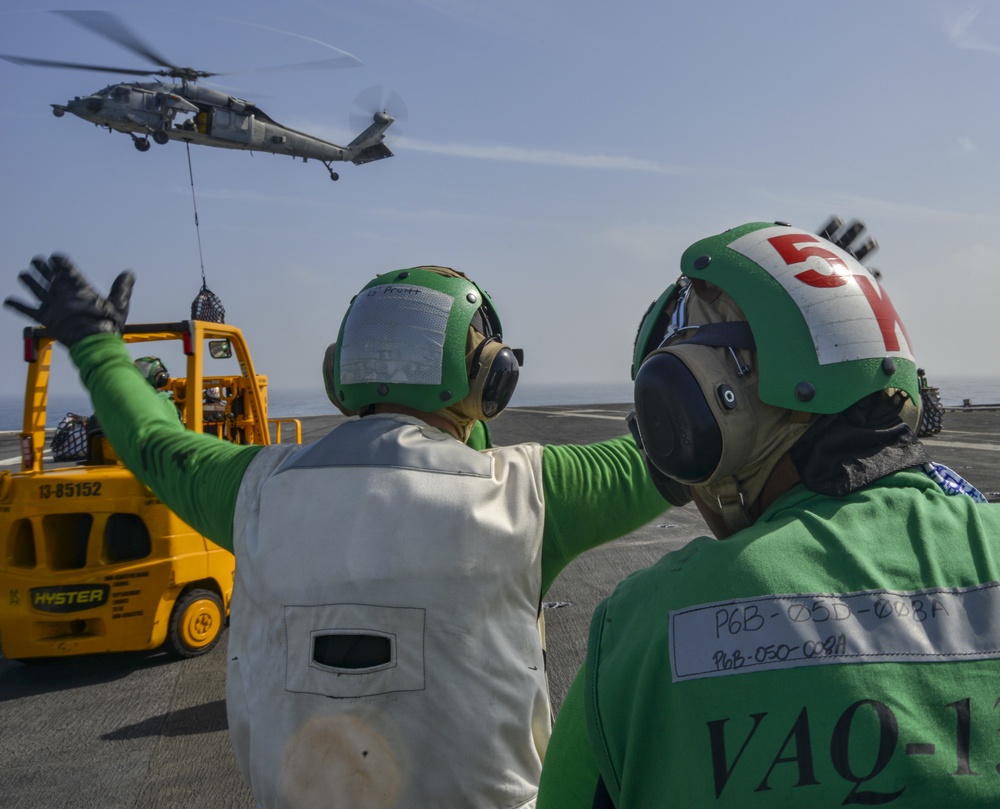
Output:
x=120 y=94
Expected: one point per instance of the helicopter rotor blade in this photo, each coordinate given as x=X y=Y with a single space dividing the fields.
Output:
x=395 y=105
x=369 y=101
x=335 y=63
x=377 y=99
x=110 y=27
x=24 y=60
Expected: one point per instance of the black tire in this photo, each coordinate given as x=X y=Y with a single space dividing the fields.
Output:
x=142 y=144
x=195 y=624
x=161 y=137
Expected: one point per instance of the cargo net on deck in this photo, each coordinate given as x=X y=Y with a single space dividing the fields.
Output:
x=207 y=306
x=931 y=412
x=69 y=443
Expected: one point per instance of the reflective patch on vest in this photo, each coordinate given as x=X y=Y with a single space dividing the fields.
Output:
x=308 y=629
x=814 y=629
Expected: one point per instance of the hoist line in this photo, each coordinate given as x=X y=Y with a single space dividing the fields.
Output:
x=194 y=203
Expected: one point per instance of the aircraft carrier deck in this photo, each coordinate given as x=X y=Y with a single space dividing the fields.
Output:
x=142 y=730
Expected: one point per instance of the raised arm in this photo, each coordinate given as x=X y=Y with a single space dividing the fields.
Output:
x=593 y=493
x=197 y=476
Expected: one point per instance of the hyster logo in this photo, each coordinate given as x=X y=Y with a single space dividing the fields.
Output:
x=70 y=598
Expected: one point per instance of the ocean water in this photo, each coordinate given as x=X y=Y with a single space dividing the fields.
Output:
x=289 y=404
x=297 y=403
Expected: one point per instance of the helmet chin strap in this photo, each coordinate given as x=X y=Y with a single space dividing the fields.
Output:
x=461 y=421
x=463 y=415
x=739 y=499
x=727 y=511
x=732 y=503
x=728 y=500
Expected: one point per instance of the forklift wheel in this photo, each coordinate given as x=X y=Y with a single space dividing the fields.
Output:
x=196 y=624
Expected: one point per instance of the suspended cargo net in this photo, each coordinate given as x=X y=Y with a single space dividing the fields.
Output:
x=207 y=306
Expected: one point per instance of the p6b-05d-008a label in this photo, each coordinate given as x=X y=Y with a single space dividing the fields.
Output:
x=814 y=629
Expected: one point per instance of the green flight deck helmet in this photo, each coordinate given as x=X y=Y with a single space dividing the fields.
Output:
x=426 y=337
x=153 y=371
x=769 y=328
x=826 y=333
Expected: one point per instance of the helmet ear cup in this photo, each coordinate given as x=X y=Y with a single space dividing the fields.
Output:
x=679 y=431
x=493 y=373
x=328 y=381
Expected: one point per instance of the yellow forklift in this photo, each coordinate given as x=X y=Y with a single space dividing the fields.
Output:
x=90 y=560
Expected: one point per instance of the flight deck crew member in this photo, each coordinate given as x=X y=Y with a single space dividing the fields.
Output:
x=840 y=646
x=154 y=371
x=385 y=645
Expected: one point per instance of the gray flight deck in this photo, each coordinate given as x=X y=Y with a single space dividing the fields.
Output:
x=142 y=730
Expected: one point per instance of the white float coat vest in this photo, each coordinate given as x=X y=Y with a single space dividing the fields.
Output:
x=389 y=529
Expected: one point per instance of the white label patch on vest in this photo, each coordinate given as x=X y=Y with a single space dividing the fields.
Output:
x=847 y=312
x=815 y=629
x=395 y=333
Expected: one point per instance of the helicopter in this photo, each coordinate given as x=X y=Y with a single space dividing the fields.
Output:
x=189 y=112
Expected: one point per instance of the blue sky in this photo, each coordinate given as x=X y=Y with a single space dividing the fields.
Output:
x=563 y=153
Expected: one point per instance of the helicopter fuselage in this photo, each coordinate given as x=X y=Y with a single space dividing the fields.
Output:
x=201 y=115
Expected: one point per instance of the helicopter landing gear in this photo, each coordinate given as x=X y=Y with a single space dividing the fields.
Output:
x=160 y=137
x=333 y=175
x=142 y=144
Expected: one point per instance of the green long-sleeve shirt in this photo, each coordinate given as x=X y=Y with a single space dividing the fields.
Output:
x=881 y=689
x=593 y=493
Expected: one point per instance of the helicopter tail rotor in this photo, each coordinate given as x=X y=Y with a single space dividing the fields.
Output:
x=375 y=103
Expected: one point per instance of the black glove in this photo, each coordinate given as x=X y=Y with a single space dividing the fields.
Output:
x=68 y=306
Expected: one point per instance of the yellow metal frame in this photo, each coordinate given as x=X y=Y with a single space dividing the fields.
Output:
x=196 y=332
x=41 y=509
